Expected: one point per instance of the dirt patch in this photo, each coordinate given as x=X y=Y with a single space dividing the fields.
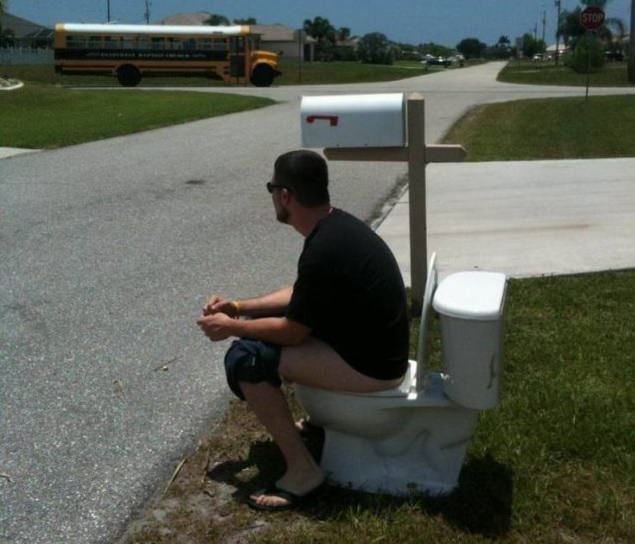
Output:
x=205 y=501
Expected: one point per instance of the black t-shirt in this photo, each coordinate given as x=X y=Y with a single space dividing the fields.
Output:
x=349 y=291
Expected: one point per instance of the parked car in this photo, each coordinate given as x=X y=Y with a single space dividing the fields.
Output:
x=438 y=61
x=614 y=55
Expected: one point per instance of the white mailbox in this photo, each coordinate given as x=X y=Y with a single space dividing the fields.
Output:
x=363 y=120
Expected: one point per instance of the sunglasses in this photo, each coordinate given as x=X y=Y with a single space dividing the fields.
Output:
x=271 y=186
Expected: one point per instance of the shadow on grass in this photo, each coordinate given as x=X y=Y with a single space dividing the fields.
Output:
x=481 y=504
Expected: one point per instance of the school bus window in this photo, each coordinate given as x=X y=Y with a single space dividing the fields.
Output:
x=75 y=42
x=158 y=43
x=217 y=44
x=94 y=42
x=189 y=44
x=142 y=42
x=173 y=43
x=128 y=43
x=109 y=43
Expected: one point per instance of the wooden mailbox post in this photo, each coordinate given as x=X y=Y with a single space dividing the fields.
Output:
x=418 y=155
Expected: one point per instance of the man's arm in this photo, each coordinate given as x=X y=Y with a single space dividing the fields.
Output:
x=267 y=305
x=277 y=330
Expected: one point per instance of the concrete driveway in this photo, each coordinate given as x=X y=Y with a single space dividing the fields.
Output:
x=108 y=251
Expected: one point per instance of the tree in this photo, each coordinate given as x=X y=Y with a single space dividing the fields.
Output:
x=215 y=19
x=570 y=28
x=588 y=55
x=471 y=48
x=320 y=28
x=323 y=31
x=342 y=34
x=246 y=21
x=532 y=46
x=375 y=48
x=503 y=41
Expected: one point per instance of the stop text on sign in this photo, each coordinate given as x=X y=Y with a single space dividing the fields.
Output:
x=592 y=18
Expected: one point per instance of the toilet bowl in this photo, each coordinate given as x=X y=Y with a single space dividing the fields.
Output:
x=413 y=438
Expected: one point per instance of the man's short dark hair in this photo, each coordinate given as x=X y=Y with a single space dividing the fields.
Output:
x=306 y=174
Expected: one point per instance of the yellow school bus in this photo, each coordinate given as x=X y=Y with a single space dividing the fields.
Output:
x=130 y=52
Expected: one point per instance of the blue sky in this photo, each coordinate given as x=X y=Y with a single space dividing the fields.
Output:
x=411 y=21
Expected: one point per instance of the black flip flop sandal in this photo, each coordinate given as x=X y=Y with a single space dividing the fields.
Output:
x=293 y=500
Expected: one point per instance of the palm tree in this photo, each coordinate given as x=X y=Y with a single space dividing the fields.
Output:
x=323 y=31
x=343 y=34
x=320 y=28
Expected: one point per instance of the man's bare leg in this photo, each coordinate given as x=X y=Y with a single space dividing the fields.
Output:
x=315 y=364
x=303 y=474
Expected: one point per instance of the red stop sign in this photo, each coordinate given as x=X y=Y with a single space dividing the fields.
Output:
x=592 y=18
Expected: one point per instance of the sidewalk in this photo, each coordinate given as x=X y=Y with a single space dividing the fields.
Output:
x=525 y=218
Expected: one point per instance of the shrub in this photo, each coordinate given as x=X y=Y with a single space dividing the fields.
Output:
x=588 y=56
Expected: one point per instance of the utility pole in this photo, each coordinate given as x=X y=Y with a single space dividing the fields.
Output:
x=147 y=13
x=559 y=6
x=631 y=46
x=108 y=6
x=535 y=31
x=544 y=25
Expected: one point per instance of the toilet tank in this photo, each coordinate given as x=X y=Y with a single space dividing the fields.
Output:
x=470 y=306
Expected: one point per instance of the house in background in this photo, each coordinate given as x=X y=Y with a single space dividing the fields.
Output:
x=276 y=38
x=18 y=32
x=286 y=42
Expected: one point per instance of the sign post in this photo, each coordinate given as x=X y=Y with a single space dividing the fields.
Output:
x=417 y=154
x=591 y=18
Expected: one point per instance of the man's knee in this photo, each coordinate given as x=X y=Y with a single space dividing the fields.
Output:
x=251 y=361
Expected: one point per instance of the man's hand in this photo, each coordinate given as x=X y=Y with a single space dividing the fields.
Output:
x=216 y=305
x=216 y=326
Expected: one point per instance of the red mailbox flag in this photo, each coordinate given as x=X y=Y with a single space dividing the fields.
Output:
x=592 y=18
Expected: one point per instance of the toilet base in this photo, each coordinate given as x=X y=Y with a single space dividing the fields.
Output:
x=426 y=466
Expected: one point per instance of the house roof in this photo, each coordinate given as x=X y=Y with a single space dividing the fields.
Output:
x=21 y=28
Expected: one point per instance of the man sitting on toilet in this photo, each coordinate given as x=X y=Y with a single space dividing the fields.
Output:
x=342 y=326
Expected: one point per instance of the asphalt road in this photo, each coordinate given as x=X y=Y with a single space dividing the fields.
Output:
x=108 y=250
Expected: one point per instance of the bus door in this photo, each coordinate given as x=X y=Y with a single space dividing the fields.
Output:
x=237 y=56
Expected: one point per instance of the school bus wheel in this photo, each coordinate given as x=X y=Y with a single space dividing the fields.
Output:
x=128 y=75
x=262 y=75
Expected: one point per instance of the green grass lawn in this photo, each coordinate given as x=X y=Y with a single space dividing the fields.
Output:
x=344 y=72
x=44 y=116
x=603 y=126
x=613 y=74
x=554 y=462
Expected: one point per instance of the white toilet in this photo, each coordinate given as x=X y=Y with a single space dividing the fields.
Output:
x=413 y=439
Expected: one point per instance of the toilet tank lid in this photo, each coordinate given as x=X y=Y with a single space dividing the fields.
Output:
x=471 y=295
